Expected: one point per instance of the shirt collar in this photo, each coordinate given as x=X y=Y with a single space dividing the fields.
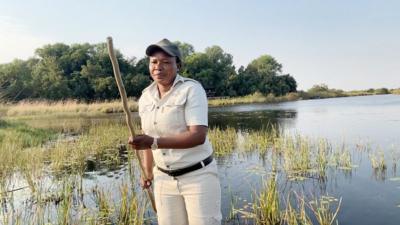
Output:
x=152 y=88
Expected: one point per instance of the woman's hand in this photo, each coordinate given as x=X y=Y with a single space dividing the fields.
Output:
x=141 y=142
x=146 y=183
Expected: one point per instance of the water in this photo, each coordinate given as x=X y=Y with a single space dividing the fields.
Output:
x=372 y=118
x=368 y=119
x=367 y=197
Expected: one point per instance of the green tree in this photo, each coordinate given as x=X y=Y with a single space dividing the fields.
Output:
x=185 y=48
x=16 y=78
x=263 y=75
x=49 y=81
x=211 y=68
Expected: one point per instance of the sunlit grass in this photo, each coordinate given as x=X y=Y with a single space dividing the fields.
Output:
x=395 y=91
x=253 y=98
x=98 y=144
x=266 y=207
x=74 y=107
x=64 y=108
x=36 y=153
x=223 y=140
x=323 y=211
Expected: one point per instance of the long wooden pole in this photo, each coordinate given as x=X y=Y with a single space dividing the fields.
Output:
x=129 y=120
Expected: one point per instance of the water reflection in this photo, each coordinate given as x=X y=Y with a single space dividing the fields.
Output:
x=253 y=120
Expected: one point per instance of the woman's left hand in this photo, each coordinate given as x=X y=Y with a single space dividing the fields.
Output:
x=141 y=142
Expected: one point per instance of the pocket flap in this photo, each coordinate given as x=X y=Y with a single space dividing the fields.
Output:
x=146 y=108
x=176 y=101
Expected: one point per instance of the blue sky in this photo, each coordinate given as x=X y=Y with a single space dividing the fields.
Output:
x=345 y=44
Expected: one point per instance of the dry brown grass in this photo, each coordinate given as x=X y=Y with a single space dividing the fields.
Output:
x=67 y=107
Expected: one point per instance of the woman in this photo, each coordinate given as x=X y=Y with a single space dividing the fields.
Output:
x=173 y=112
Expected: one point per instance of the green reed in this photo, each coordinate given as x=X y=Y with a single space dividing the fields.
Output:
x=323 y=210
x=267 y=204
x=130 y=210
x=378 y=161
x=223 y=140
x=296 y=215
x=268 y=210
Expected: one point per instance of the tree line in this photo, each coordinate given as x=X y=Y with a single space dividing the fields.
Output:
x=84 y=72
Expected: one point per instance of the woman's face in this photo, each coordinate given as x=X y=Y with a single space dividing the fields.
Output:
x=163 y=68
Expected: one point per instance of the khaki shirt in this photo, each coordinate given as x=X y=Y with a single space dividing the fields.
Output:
x=185 y=104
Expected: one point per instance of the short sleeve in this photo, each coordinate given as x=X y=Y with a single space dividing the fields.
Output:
x=196 y=108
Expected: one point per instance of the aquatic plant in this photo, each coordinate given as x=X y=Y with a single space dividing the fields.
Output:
x=266 y=206
x=323 y=211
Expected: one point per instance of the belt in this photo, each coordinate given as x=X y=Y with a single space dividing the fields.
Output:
x=179 y=172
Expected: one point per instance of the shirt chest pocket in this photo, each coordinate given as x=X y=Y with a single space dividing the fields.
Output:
x=146 y=113
x=172 y=116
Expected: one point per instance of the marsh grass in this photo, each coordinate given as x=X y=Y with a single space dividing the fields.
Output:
x=98 y=144
x=324 y=211
x=131 y=210
x=266 y=207
x=300 y=157
x=378 y=161
x=23 y=151
x=64 y=108
x=223 y=140
x=21 y=135
x=253 y=98
x=27 y=156
x=296 y=215
x=73 y=107
x=378 y=164
x=395 y=91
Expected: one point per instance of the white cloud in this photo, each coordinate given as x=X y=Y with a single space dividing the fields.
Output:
x=16 y=41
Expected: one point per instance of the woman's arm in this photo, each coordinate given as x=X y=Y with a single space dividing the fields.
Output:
x=195 y=135
x=148 y=163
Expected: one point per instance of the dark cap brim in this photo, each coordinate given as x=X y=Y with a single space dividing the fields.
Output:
x=155 y=48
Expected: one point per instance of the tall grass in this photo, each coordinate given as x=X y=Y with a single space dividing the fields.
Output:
x=395 y=91
x=323 y=211
x=222 y=140
x=75 y=107
x=253 y=98
x=267 y=204
x=269 y=210
x=64 y=108
x=23 y=152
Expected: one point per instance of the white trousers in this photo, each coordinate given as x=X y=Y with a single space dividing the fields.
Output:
x=193 y=198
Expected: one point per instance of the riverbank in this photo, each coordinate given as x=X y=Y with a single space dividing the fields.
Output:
x=75 y=107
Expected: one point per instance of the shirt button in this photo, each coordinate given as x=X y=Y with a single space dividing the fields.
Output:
x=164 y=153
x=167 y=166
x=155 y=123
x=158 y=107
